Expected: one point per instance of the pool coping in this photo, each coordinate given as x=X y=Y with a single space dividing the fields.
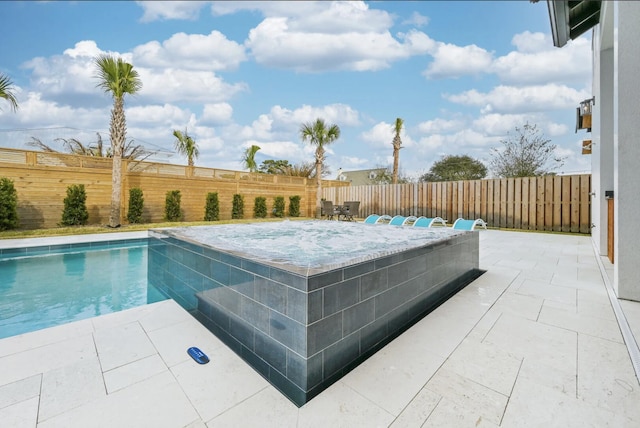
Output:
x=70 y=239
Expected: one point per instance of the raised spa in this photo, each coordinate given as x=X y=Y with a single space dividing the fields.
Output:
x=304 y=302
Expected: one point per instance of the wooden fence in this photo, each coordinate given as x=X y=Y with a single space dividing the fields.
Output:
x=553 y=203
x=557 y=203
x=41 y=180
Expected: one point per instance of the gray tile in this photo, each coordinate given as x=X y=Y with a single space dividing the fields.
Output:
x=296 y=281
x=220 y=272
x=341 y=295
x=359 y=269
x=270 y=293
x=324 y=279
x=274 y=353
x=337 y=356
x=241 y=281
x=254 y=314
x=315 y=305
x=297 y=304
x=357 y=316
x=324 y=333
x=373 y=283
x=290 y=333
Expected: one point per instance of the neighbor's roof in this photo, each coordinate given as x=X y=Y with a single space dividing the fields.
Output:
x=361 y=177
x=570 y=19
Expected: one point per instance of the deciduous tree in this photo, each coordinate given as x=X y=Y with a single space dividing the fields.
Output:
x=454 y=168
x=525 y=154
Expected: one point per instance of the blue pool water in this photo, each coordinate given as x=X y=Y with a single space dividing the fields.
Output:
x=43 y=287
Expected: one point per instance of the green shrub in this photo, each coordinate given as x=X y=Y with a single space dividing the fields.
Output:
x=294 y=206
x=237 y=211
x=8 y=205
x=278 y=206
x=212 y=208
x=260 y=207
x=75 y=206
x=172 y=210
x=136 y=204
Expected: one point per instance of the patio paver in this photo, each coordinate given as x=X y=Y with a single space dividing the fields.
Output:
x=532 y=342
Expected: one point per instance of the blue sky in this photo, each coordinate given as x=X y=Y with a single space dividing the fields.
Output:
x=461 y=75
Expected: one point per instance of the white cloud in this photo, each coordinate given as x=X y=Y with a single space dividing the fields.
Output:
x=417 y=20
x=451 y=61
x=439 y=125
x=499 y=124
x=274 y=43
x=431 y=143
x=278 y=150
x=349 y=163
x=320 y=36
x=535 y=61
x=62 y=77
x=216 y=113
x=538 y=61
x=381 y=136
x=316 y=16
x=519 y=100
x=161 y=10
x=156 y=115
x=47 y=113
x=177 y=85
x=339 y=114
x=192 y=52
x=70 y=73
x=556 y=129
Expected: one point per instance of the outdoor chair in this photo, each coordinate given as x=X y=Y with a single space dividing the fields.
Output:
x=401 y=220
x=429 y=222
x=350 y=210
x=463 y=224
x=376 y=219
x=330 y=210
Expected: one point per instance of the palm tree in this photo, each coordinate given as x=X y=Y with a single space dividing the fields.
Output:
x=6 y=91
x=75 y=147
x=397 y=145
x=248 y=158
x=116 y=78
x=319 y=134
x=187 y=146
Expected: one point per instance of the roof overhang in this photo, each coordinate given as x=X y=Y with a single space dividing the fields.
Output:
x=570 y=19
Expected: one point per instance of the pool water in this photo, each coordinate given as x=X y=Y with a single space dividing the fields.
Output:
x=45 y=290
x=313 y=243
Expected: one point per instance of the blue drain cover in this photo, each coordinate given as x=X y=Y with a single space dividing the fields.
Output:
x=198 y=355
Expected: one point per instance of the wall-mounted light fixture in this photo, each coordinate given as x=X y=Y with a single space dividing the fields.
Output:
x=583 y=114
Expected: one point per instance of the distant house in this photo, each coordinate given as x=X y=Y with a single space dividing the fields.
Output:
x=361 y=177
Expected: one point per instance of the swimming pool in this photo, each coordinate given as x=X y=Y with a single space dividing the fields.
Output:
x=45 y=286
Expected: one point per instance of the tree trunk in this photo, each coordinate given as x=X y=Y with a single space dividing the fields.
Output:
x=319 y=189
x=118 y=131
x=396 y=155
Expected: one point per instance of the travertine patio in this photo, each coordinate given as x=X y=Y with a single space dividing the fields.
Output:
x=532 y=342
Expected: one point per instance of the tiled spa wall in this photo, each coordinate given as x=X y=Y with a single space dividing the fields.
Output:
x=302 y=333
